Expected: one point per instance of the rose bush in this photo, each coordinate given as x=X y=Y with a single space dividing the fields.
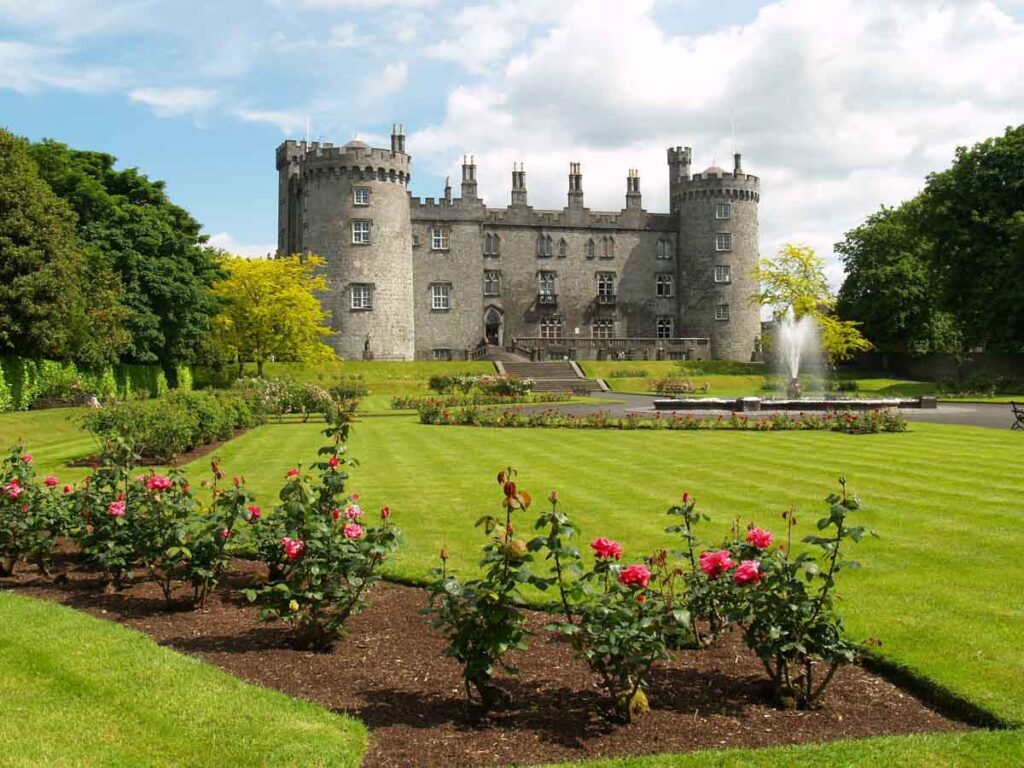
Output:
x=32 y=515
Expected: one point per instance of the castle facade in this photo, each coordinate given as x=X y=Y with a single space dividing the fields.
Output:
x=451 y=278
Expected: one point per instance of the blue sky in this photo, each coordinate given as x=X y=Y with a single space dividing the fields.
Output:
x=839 y=105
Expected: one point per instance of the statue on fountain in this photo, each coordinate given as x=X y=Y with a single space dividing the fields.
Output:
x=793 y=390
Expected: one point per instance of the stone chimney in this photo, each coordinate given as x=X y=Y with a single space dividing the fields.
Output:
x=518 y=184
x=633 y=201
x=469 y=179
x=575 y=186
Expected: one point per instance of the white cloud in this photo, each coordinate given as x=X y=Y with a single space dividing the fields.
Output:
x=227 y=242
x=387 y=82
x=289 y=123
x=837 y=106
x=28 y=68
x=70 y=19
x=356 y=4
x=175 y=102
x=344 y=36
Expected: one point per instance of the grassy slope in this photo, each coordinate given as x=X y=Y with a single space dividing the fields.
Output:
x=79 y=691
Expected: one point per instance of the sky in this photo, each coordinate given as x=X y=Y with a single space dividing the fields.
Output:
x=839 y=106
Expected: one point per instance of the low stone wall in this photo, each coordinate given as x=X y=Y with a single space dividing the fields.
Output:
x=755 y=404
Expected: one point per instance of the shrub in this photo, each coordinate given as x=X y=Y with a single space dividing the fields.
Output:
x=410 y=402
x=481 y=618
x=326 y=557
x=629 y=373
x=507 y=386
x=671 y=387
x=447 y=383
x=32 y=515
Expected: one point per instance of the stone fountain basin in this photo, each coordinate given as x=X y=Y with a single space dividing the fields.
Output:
x=753 y=404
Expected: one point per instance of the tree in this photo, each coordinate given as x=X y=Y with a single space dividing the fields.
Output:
x=270 y=309
x=795 y=281
x=974 y=215
x=890 y=286
x=130 y=230
x=43 y=307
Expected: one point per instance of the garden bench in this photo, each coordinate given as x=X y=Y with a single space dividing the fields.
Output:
x=1018 y=415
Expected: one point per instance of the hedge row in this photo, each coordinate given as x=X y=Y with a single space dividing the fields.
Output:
x=25 y=381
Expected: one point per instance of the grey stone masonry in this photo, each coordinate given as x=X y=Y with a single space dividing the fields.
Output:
x=411 y=277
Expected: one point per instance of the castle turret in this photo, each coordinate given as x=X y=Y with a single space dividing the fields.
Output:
x=575 y=186
x=350 y=206
x=518 y=184
x=718 y=254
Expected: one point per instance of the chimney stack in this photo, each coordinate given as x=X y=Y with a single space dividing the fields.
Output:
x=469 y=178
x=518 y=184
x=633 y=201
x=737 y=165
x=575 y=186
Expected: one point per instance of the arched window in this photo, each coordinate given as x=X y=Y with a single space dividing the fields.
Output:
x=590 y=248
x=563 y=248
x=608 y=247
x=544 y=245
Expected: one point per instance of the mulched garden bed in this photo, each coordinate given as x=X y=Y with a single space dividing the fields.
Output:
x=390 y=673
x=178 y=461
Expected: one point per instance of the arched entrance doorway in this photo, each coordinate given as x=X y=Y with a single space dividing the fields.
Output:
x=494 y=326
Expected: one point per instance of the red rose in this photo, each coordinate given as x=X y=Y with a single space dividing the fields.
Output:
x=333 y=462
x=606 y=549
x=760 y=538
x=635 y=576
x=748 y=572
x=254 y=513
x=714 y=564
x=385 y=513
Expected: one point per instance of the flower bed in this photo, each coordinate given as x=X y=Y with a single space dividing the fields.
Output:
x=852 y=422
x=413 y=403
x=672 y=387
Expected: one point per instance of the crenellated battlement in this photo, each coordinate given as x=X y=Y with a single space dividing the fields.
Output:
x=356 y=160
x=459 y=210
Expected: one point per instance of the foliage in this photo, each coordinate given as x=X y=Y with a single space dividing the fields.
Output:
x=851 y=422
x=149 y=249
x=676 y=387
x=44 y=307
x=481 y=618
x=326 y=558
x=280 y=397
x=794 y=281
x=32 y=514
x=505 y=385
x=270 y=310
x=446 y=383
x=410 y=402
x=628 y=373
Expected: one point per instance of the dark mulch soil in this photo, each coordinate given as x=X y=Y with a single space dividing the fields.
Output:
x=391 y=674
x=178 y=461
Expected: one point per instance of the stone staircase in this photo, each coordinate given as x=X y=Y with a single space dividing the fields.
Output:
x=548 y=377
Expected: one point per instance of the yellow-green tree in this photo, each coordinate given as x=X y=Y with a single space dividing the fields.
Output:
x=795 y=279
x=270 y=310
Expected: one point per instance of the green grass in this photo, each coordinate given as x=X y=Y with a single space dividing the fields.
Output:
x=940 y=588
x=79 y=691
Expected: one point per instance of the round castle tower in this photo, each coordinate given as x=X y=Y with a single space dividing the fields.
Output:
x=718 y=254
x=350 y=206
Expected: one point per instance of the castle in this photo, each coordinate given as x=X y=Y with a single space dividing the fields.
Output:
x=451 y=278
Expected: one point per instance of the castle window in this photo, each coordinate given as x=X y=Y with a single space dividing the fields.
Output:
x=551 y=327
x=723 y=211
x=664 y=286
x=602 y=328
x=361 y=232
x=722 y=312
x=442 y=353
x=664 y=249
x=492 y=283
x=492 y=245
x=563 y=248
x=607 y=247
x=361 y=195
x=441 y=296
x=723 y=273
x=664 y=327
x=605 y=285
x=546 y=283
x=544 y=245
x=362 y=296
x=590 y=248
x=723 y=241
x=440 y=238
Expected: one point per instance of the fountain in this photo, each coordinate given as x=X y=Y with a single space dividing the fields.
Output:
x=796 y=338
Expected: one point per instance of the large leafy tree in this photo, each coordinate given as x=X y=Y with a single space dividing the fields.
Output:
x=890 y=287
x=270 y=310
x=129 y=227
x=794 y=281
x=974 y=214
x=43 y=307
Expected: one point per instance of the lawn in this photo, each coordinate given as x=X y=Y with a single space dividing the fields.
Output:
x=80 y=691
x=940 y=588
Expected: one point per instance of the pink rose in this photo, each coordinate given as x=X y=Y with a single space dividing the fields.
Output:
x=116 y=508
x=385 y=513
x=26 y=458
x=760 y=538
x=158 y=483
x=224 y=533
x=606 y=549
x=635 y=576
x=51 y=481
x=748 y=572
x=254 y=513
x=333 y=462
x=352 y=531
x=13 y=489
x=293 y=548
x=714 y=564
x=353 y=512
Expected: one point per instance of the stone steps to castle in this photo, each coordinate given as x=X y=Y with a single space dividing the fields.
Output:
x=552 y=377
